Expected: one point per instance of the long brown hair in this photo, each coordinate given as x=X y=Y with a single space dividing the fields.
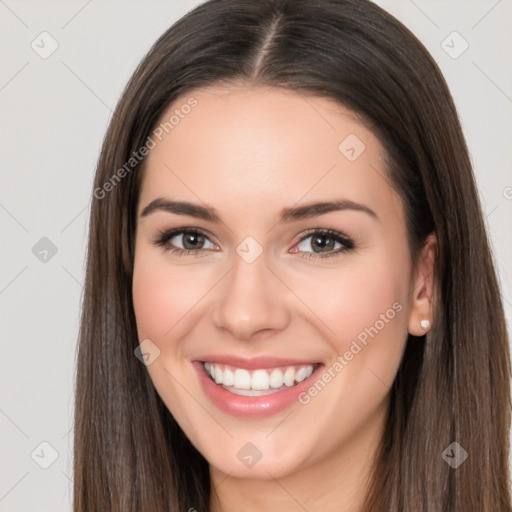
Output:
x=452 y=385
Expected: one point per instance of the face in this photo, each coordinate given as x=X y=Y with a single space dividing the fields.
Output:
x=300 y=312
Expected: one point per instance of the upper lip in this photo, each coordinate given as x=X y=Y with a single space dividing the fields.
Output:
x=254 y=363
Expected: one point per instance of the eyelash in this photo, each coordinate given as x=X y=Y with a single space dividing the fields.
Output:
x=163 y=238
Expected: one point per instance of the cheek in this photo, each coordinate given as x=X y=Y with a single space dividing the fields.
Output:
x=154 y=302
x=364 y=306
x=371 y=299
x=371 y=327
x=162 y=296
x=357 y=296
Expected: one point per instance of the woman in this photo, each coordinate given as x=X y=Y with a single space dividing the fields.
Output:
x=290 y=300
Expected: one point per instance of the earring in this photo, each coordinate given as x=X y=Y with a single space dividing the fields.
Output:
x=425 y=324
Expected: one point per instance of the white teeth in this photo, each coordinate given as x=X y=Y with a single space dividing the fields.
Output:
x=258 y=380
x=228 y=377
x=252 y=392
x=300 y=375
x=276 y=379
x=289 y=377
x=217 y=376
x=242 y=379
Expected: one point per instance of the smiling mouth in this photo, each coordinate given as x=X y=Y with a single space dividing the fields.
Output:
x=259 y=382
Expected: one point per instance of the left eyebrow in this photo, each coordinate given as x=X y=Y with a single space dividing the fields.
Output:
x=287 y=215
x=314 y=209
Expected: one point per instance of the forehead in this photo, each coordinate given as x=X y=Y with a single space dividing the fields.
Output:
x=260 y=148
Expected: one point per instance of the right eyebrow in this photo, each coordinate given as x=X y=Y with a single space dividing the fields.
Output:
x=181 y=208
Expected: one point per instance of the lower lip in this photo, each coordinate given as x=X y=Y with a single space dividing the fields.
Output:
x=251 y=406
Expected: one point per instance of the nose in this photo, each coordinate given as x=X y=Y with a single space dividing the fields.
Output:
x=253 y=301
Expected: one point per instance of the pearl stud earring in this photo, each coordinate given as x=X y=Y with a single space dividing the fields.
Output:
x=425 y=324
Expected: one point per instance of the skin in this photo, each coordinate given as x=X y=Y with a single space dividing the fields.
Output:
x=250 y=152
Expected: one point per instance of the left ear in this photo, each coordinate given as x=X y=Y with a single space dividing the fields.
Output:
x=421 y=311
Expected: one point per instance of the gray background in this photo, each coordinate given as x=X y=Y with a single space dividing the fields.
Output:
x=54 y=113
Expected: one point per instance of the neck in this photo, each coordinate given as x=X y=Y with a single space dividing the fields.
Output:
x=335 y=483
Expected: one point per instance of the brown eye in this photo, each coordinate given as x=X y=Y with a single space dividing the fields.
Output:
x=191 y=240
x=183 y=241
x=325 y=243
